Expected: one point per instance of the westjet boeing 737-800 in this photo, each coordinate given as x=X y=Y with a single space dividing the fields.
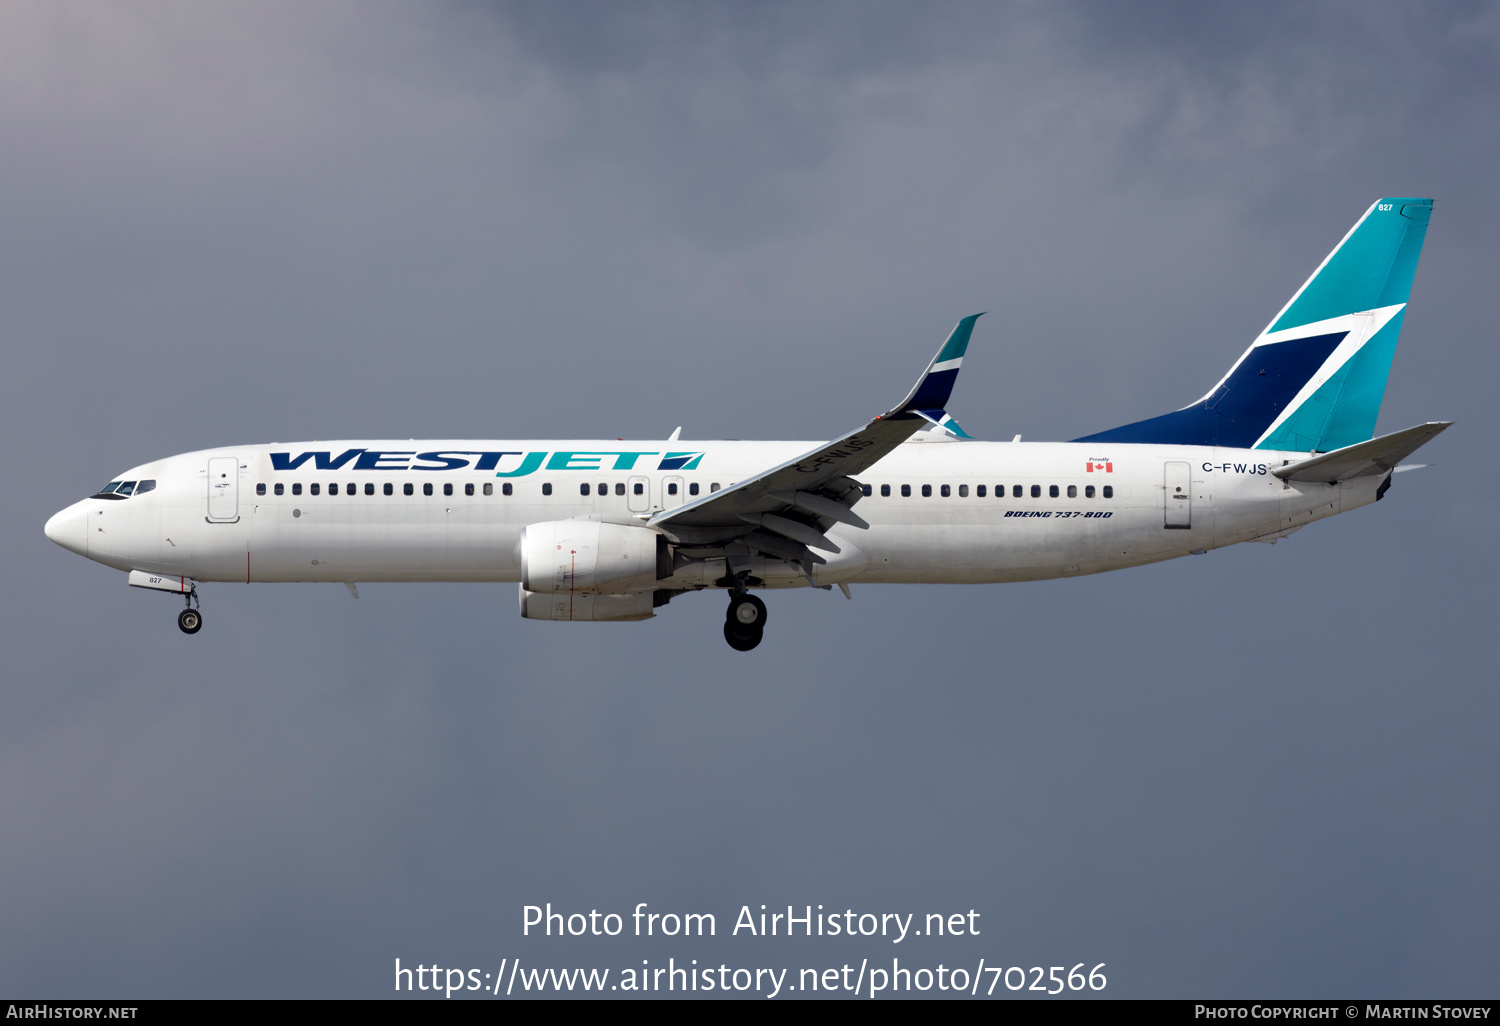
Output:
x=612 y=530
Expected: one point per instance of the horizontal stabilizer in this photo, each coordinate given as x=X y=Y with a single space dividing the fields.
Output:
x=1377 y=456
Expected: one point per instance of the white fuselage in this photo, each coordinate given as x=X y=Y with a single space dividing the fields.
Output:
x=1164 y=501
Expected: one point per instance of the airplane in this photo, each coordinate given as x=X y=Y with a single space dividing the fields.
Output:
x=609 y=530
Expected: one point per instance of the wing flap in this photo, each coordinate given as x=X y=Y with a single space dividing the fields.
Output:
x=793 y=529
x=821 y=505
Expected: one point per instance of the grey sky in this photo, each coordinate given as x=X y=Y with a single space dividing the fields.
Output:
x=1267 y=771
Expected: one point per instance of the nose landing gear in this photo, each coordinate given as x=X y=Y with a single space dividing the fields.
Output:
x=745 y=621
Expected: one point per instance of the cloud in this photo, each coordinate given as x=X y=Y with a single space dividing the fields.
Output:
x=277 y=222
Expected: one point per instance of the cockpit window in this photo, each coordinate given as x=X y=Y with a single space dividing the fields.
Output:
x=117 y=490
x=144 y=487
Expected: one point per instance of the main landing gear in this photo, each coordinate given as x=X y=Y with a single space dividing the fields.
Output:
x=745 y=622
x=190 y=620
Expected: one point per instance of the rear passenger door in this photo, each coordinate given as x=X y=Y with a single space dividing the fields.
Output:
x=1177 y=496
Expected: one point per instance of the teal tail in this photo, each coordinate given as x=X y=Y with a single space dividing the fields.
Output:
x=1314 y=379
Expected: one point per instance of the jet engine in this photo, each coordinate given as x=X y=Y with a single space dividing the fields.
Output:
x=566 y=557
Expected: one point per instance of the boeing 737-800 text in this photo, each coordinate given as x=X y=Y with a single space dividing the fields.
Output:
x=613 y=530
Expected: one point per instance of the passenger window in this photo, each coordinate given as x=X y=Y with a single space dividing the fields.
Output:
x=672 y=488
x=604 y=488
x=489 y=488
x=1088 y=491
x=1052 y=491
x=1072 y=491
x=906 y=491
x=448 y=488
x=947 y=492
x=125 y=488
x=314 y=488
x=297 y=488
x=351 y=488
x=407 y=489
x=1109 y=491
x=619 y=488
x=144 y=487
x=468 y=489
x=547 y=488
x=260 y=489
x=638 y=488
x=980 y=491
x=333 y=488
x=867 y=490
x=713 y=487
x=1016 y=491
x=1036 y=491
x=369 y=489
x=583 y=489
x=427 y=488
x=693 y=488
x=389 y=488
x=885 y=491
x=280 y=488
x=963 y=491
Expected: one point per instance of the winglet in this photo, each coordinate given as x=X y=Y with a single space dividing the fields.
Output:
x=930 y=394
x=950 y=425
x=941 y=419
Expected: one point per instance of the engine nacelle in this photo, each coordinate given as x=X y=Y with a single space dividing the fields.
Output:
x=586 y=605
x=571 y=556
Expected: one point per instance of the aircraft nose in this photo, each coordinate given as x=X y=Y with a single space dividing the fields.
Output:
x=69 y=529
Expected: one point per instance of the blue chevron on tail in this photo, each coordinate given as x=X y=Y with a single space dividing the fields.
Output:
x=1314 y=379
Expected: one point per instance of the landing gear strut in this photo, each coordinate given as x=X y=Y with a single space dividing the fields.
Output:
x=190 y=620
x=745 y=621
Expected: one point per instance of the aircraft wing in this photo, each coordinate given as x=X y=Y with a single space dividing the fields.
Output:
x=784 y=510
x=1377 y=456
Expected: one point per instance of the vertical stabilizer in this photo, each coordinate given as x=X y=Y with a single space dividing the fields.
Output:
x=1314 y=379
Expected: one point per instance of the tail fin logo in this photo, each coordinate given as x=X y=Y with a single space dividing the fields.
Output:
x=1314 y=379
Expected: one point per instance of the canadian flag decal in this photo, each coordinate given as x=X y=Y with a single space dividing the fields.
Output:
x=1099 y=468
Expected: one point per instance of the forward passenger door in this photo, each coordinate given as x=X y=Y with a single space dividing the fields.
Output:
x=223 y=490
